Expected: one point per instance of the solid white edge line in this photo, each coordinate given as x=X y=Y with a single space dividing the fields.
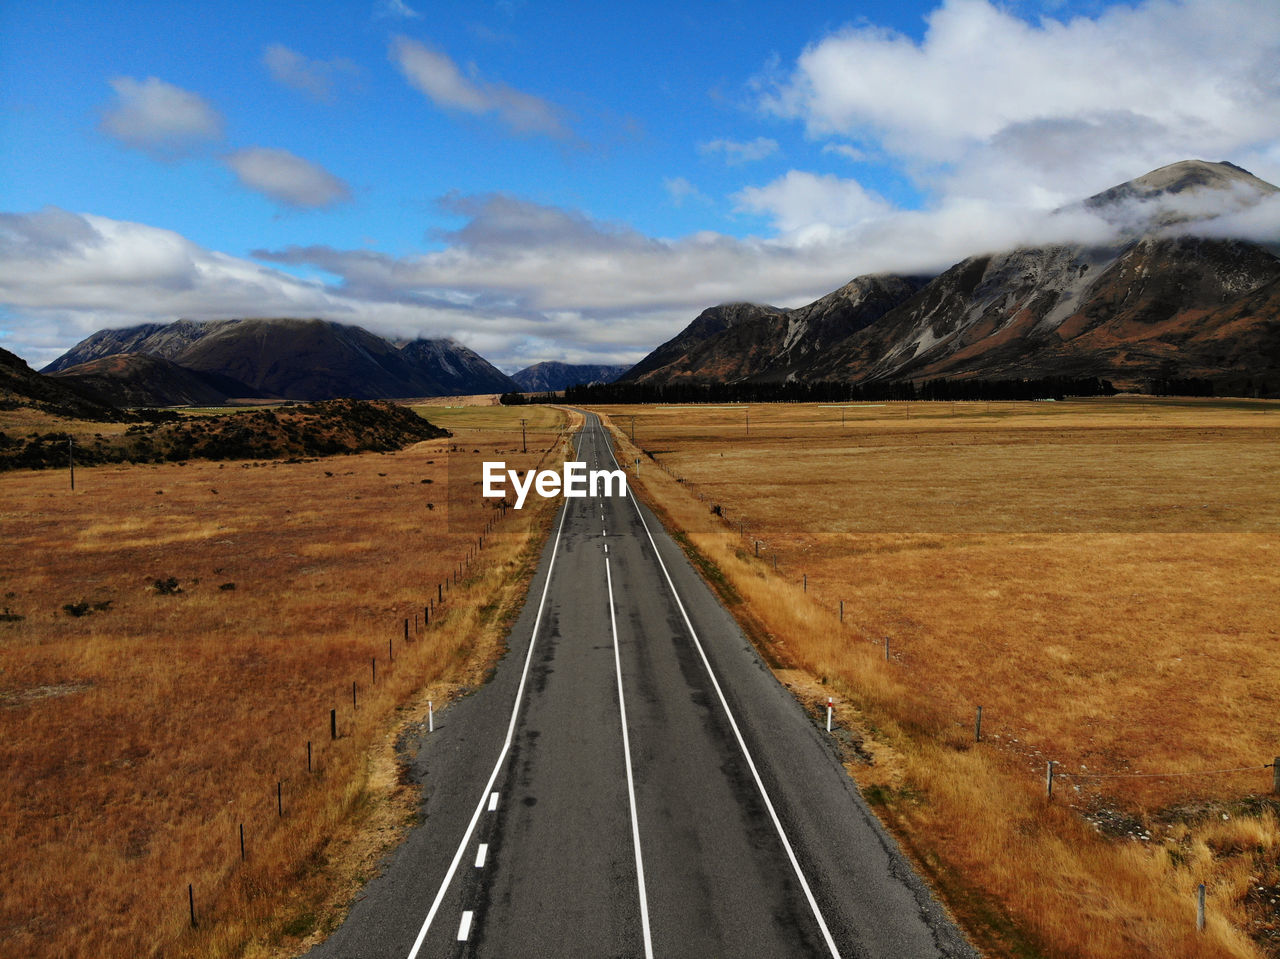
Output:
x=742 y=743
x=506 y=746
x=631 y=785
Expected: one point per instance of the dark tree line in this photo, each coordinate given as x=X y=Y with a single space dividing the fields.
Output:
x=1053 y=387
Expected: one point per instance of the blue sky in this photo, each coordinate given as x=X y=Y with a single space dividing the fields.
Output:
x=573 y=181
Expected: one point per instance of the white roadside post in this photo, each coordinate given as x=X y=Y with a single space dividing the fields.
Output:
x=828 y=714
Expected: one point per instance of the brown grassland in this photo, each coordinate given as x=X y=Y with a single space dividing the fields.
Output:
x=172 y=638
x=1102 y=577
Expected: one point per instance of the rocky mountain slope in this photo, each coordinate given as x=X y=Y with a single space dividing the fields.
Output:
x=298 y=359
x=551 y=376
x=22 y=387
x=1158 y=301
x=138 y=379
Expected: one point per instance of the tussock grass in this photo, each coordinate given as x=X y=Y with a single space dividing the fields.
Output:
x=136 y=738
x=1100 y=576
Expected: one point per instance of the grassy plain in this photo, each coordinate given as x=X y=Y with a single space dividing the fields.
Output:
x=1102 y=577
x=172 y=638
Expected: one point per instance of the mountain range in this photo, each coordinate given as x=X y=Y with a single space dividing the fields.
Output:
x=551 y=376
x=1155 y=302
x=171 y=363
x=1169 y=295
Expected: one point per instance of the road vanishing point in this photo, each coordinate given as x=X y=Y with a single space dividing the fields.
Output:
x=634 y=782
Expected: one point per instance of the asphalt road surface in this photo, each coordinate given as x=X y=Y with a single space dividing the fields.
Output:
x=634 y=782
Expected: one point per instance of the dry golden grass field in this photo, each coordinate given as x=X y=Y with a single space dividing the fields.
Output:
x=1102 y=577
x=174 y=635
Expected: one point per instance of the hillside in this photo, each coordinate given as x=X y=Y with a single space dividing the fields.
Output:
x=297 y=359
x=21 y=386
x=1159 y=303
x=551 y=376
x=317 y=429
x=138 y=379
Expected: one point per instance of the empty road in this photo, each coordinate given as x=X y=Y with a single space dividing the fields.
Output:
x=634 y=782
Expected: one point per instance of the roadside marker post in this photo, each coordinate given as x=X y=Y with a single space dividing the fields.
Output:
x=431 y=716
x=829 y=714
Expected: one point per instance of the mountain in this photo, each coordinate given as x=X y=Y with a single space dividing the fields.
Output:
x=551 y=376
x=454 y=370
x=742 y=341
x=136 y=379
x=21 y=386
x=1156 y=303
x=297 y=359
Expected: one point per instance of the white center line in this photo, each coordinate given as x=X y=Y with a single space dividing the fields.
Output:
x=742 y=743
x=482 y=854
x=631 y=786
x=464 y=927
x=493 y=801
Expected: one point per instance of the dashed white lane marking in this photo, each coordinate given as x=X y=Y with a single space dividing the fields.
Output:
x=482 y=854
x=464 y=927
x=502 y=755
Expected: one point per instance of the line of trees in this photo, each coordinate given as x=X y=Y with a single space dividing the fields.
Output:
x=1053 y=387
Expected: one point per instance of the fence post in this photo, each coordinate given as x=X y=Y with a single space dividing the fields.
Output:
x=1200 y=909
x=333 y=724
x=191 y=901
x=977 y=727
x=1048 y=779
x=279 y=800
x=242 y=842
x=308 y=755
x=842 y=610
x=1275 y=775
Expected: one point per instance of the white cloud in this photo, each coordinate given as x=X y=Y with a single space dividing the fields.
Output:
x=287 y=178
x=846 y=150
x=808 y=205
x=397 y=10
x=158 y=117
x=680 y=190
x=988 y=104
x=316 y=78
x=437 y=77
x=736 y=151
